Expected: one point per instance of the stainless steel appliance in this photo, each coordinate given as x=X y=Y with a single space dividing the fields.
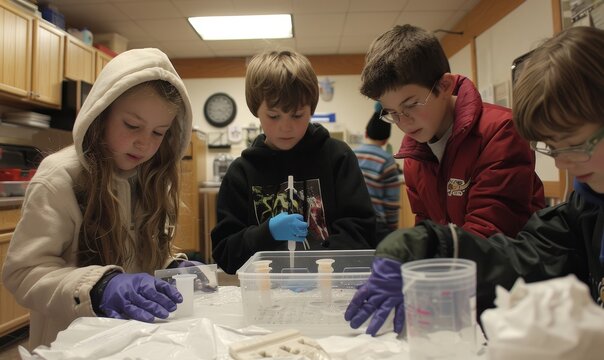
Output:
x=220 y=165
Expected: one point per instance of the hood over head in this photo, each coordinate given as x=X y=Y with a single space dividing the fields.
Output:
x=123 y=72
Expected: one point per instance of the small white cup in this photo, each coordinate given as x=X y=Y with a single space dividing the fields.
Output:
x=185 y=285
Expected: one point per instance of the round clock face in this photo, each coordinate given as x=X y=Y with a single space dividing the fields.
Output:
x=220 y=109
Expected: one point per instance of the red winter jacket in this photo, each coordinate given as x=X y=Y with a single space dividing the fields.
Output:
x=486 y=181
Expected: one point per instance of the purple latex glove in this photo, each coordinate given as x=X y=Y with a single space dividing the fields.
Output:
x=139 y=297
x=382 y=292
x=188 y=263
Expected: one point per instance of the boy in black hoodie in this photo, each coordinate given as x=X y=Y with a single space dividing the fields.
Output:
x=331 y=208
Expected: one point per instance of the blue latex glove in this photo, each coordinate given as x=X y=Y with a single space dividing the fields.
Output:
x=288 y=227
x=382 y=292
x=139 y=297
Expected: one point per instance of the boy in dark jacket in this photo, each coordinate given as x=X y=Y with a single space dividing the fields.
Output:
x=464 y=161
x=330 y=208
x=558 y=106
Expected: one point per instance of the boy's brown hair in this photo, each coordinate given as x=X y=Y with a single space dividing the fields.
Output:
x=285 y=79
x=561 y=86
x=401 y=56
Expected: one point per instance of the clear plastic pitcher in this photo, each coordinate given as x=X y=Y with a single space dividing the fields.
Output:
x=440 y=308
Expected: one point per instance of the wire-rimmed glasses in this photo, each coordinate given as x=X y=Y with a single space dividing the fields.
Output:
x=577 y=153
x=394 y=117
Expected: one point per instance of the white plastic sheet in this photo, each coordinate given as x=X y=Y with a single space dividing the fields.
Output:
x=110 y=339
x=553 y=320
x=217 y=323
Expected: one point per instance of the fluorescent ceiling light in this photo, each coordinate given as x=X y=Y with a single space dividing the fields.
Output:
x=243 y=27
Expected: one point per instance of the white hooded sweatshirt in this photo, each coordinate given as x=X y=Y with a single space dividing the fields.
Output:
x=41 y=265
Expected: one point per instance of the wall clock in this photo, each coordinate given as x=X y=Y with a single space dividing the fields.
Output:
x=220 y=109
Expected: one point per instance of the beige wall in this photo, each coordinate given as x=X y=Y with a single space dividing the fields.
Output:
x=352 y=109
x=519 y=32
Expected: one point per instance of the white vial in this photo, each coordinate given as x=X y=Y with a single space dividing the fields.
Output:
x=324 y=267
x=185 y=285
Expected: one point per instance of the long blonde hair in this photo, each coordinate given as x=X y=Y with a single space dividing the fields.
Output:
x=103 y=237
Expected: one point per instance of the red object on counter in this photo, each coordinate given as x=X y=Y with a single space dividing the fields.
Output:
x=105 y=49
x=16 y=174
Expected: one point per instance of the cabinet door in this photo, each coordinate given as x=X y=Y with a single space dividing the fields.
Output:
x=12 y=315
x=79 y=60
x=101 y=60
x=187 y=237
x=47 y=74
x=15 y=50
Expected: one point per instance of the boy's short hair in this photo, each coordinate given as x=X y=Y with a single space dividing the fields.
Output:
x=561 y=86
x=401 y=56
x=285 y=79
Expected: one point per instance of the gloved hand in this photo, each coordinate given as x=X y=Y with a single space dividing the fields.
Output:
x=139 y=297
x=382 y=292
x=188 y=263
x=288 y=227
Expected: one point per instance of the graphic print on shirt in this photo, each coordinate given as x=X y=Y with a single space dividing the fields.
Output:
x=270 y=200
x=457 y=187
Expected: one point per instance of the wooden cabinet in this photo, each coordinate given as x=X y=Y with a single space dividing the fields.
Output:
x=187 y=232
x=12 y=315
x=80 y=60
x=406 y=218
x=31 y=61
x=15 y=49
x=47 y=63
x=101 y=60
x=207 y=205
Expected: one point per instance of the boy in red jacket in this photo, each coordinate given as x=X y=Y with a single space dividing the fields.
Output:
x=464 y=161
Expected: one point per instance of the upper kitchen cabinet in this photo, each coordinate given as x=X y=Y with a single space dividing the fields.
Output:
x=79 y=60
x=47 y=63
x=31 y=61
x=101 y=60
x=15 y=47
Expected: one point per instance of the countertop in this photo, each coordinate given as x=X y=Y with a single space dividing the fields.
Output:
x=11 y=201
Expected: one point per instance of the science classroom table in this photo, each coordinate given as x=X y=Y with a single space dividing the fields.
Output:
x=217 y=322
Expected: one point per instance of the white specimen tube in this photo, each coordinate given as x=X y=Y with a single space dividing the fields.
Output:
x=185 y=285
x=291 y=244
x=264 y=281
x=324 y=268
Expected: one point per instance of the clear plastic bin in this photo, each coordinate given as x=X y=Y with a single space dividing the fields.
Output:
x=276 y=296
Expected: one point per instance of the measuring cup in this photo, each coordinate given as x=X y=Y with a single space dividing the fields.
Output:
x=440 y=308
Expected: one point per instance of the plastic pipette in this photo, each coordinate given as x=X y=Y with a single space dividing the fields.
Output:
x=291 y=244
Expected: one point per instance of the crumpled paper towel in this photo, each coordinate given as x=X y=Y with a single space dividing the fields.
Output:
x=553 y=319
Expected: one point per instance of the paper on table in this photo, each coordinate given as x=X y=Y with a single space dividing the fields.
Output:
x=554 y=319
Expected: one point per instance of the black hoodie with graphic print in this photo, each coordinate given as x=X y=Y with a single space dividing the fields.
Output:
x=330 y=193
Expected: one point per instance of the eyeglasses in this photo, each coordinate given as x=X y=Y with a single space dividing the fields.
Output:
x=578 y=153
x=394 y=117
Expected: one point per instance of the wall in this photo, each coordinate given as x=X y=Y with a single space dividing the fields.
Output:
x=351 y=108
x=519 y=32
x=461 y=62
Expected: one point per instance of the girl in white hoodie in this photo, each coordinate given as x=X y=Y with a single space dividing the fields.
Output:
x=99 y=216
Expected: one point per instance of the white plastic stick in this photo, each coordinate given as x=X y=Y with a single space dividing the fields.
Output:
x=291 y=244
